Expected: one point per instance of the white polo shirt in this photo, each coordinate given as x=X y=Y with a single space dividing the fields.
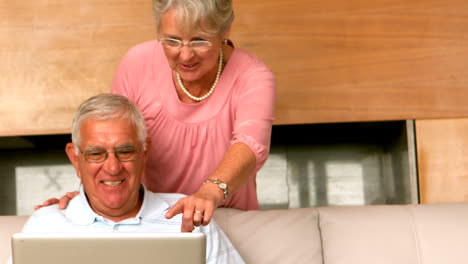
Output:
x=79 y=217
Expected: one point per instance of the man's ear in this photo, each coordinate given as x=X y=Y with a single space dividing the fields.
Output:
x=71 y=153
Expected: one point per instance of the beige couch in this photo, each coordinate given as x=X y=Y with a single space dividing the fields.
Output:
x=393 y=234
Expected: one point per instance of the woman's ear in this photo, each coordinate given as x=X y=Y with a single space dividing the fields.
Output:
x=227 y=33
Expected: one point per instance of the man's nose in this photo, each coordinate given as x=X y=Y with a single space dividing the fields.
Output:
x=112 y=164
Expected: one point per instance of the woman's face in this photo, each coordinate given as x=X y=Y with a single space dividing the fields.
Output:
x=191 y=65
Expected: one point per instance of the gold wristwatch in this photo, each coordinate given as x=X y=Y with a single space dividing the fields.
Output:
x=222 y=185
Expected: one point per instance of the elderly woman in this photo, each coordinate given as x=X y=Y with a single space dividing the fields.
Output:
x=208 y=108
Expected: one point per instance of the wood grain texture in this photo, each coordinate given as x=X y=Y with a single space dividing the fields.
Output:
x=55 y=54
x=360 y=60
x=335 y=61
x=442 y=151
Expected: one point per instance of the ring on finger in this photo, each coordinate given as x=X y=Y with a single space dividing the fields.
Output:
x=198 y=212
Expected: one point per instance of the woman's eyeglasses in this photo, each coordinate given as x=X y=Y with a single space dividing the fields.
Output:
x=176 y=44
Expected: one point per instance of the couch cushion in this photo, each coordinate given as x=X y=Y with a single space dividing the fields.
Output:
x=368 y=235
x=442 y=231
x=274 y=236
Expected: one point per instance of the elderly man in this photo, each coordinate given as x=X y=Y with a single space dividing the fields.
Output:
x=109 y=152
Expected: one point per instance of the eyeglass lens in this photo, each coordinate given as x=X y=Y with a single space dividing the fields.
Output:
x=176 y=44
x=98 y=156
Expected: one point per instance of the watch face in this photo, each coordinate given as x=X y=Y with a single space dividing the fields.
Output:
x=222 y=185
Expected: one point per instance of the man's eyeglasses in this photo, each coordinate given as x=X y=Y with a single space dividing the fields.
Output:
x=176 y=44
x=100 y=155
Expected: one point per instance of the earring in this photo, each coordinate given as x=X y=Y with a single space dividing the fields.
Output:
x=225 y=41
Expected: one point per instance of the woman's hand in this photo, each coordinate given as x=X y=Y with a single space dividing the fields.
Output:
x=63 y=202
x=197 y=209
x=235 y=169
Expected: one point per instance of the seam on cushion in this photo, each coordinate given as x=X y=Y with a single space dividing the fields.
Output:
x=320 y=235
x=415 y=233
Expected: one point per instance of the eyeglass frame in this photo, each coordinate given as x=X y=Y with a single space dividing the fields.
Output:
x=106 y=152
x=188 y=44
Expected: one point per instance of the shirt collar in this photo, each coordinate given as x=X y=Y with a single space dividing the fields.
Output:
x=153 y=206
x=80 y=212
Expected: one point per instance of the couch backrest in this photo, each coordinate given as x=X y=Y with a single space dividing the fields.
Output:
x=373 y=234
x=273 y=236
x=260 y=236
x=412 y=234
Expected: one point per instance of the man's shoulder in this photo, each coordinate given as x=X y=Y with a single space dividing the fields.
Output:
x=47 y=211
x=45 y=217
x=169 y=198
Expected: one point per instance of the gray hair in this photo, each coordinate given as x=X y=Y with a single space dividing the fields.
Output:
x=108 y=106
x=209 y=16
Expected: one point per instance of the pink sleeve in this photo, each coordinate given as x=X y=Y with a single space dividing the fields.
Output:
x=255 y=112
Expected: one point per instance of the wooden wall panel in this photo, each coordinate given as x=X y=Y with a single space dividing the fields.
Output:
x=55 y=54
x=335 y=61
x=442 y=151
x=361 y=60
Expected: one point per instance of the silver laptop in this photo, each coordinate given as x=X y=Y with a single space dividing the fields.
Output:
x=115 y=248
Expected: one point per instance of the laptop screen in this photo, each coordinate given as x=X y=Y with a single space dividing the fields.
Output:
x=115 y=248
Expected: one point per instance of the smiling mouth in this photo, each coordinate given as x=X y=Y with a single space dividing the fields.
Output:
x=111 y=183
x=188 y=66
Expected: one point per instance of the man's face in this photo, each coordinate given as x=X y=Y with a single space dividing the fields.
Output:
x=112 y=187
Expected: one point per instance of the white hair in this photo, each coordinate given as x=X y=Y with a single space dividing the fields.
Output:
x=108 y=106
x=212 y=17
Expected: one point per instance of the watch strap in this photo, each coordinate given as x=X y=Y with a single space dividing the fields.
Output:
x=222 y=185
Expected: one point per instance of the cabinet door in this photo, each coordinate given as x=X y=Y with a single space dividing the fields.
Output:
x=442 y=148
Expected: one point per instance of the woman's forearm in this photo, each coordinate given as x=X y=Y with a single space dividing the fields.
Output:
x=236 y=167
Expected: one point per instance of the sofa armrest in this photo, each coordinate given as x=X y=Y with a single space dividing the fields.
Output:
x=8 y=226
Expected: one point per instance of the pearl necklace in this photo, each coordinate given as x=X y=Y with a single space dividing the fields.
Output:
x=198 y=99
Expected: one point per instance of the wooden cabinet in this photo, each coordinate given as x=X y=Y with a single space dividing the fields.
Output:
x=442 y=148
x=54 y=55
x=334 y=61
x=360 y=60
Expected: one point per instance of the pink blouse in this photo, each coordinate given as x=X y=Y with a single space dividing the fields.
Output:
x=190 y=140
